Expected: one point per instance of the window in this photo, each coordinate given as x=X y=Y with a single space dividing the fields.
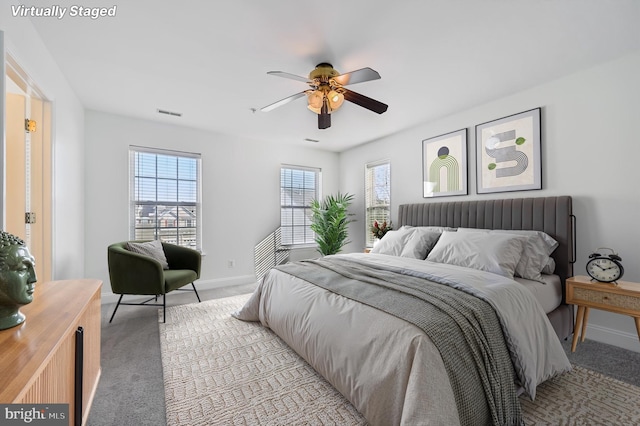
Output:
x=377 y=196
x=298 y=187
x=165 y=196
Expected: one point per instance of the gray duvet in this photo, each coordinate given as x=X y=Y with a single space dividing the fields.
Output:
x=388 y=368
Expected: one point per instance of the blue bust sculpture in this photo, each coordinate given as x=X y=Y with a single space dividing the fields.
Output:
x=17 y=279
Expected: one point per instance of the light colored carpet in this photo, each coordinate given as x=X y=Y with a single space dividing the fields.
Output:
x=219 y=371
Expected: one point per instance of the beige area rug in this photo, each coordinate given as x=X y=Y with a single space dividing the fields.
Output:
x=222 y=371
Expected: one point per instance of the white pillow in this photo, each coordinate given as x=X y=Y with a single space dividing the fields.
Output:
x=535 y=255
x=420 y=242
x=392 y=243
x=152 y=249
x=429 y=228
x=496 y=253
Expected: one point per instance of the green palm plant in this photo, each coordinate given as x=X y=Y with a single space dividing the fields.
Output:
x=329 y=221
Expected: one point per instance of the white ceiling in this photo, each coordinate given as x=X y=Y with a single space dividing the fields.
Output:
x=209 y=59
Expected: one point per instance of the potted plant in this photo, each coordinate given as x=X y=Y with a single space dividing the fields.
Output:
x=329 y=221
x=379 y=230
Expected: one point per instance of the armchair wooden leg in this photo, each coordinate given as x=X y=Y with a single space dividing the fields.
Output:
x=194 y=289
x=114 y=311
x=164 y=308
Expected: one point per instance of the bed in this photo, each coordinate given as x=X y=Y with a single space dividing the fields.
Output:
x=415 y=341
x=552 y=215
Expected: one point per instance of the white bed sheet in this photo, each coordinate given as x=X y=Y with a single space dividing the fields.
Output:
x=548 y=294
x=398 y=376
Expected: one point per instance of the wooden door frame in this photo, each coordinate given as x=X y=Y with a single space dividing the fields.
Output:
x=10 y=67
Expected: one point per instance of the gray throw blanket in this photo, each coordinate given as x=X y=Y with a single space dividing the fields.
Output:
x=465 y=330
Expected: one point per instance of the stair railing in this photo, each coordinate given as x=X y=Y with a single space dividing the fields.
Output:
x=269 y=252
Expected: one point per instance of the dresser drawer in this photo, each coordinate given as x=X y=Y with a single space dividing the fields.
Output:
x=599 y=297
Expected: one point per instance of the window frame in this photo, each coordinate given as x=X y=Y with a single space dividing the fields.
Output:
x=309 y=235
x=191 y=206
x=369 y=168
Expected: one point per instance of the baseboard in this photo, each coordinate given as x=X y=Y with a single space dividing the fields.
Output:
x=108 y=298
x=613 y=337
x=225 y=282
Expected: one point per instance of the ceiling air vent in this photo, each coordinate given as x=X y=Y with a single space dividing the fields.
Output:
x=164 y=111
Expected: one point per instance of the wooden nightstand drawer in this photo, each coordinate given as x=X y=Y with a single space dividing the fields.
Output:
x=599 y=297
x=622 y=297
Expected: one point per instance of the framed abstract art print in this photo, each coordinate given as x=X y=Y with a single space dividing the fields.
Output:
x=444 y=165
x=508 y=153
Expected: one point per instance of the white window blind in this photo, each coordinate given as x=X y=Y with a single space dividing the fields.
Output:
x=377 y=196
x=298 y=187
x=165 y=196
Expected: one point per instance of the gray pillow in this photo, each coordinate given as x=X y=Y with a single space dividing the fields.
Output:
x=550 y=266
x=420 y=242
x=152 y=249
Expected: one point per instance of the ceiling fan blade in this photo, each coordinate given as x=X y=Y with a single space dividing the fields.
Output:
x=283 y=102
x=324 y=118
x=288 y=75
x=364 y=101
x=357 y=76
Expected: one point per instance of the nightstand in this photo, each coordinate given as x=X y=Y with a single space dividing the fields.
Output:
x=621 y=298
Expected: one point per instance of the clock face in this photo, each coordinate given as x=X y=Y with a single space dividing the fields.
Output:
x=604 y=269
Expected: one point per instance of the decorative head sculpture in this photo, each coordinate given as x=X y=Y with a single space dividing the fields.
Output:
x=17 y=279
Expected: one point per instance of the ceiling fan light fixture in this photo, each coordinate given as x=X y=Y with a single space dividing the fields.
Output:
x=335 y=100
x=327 y=94
x=315 y=98
x=316 y=110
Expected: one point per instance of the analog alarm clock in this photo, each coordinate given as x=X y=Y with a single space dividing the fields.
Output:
x=605 y=268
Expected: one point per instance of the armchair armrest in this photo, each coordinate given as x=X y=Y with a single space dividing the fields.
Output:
x=133 y=273
x=180 y=257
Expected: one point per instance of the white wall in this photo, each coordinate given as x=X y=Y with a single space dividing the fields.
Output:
x=240 y=190
x=23 y=43
x=590 y=150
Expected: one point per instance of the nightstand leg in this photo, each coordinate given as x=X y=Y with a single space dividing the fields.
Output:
x=584 y=324
x=577 y=327
x=637 y=325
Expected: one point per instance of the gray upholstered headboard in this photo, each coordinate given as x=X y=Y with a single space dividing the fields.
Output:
x=552 y=215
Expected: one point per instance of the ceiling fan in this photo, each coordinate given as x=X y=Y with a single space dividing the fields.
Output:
x=327 y=91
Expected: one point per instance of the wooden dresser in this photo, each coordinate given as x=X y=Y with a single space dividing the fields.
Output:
x=38 y=359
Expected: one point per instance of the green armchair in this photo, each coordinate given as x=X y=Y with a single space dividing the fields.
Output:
x=138 y=274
